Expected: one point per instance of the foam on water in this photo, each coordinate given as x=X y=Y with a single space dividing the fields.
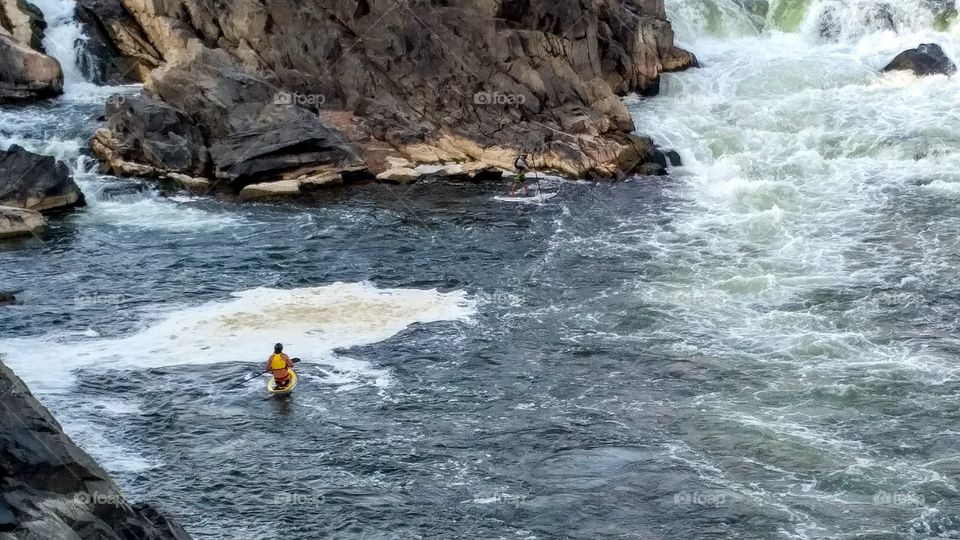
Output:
x=311 y=322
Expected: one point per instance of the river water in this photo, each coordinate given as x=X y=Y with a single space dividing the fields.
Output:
x=759 y=346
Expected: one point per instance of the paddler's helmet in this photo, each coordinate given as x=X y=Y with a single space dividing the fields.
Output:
x=278 y=348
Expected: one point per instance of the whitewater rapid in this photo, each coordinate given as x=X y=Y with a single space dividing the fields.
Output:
x=813 y=243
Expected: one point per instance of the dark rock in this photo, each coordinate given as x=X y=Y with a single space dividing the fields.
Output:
x=651 y=169
x=36 y=182
x=927 y=59
x=155 y=137
x=53 y=489
x=660 y=158
x=674 y=158
x=6 y=299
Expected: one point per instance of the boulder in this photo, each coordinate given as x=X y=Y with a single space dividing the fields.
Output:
x=5 y=300
x=674 y=158
x=24 y=21
x=463 y=81
x=144 y=137
x=36 y=182
x=53 y=489
x=18 y=222
x=651 y=169
x=927 y=59
x=26 y=74
x=256 y=133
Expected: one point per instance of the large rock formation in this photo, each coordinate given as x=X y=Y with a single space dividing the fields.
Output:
x=36 y=182
x=927 y=59
x=25 y=71
x=52 y=489
x=285 y=90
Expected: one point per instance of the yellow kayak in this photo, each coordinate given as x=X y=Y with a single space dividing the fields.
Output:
x=272 y=385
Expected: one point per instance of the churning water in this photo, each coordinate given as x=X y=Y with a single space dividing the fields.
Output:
x=759 y=346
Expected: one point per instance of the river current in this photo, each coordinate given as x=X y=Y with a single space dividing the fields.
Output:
x=760 y=345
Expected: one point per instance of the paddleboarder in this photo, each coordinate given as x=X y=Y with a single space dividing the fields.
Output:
x=520 y=179
x=279 y=364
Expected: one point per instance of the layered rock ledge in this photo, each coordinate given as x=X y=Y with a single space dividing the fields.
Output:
x=52 y=489
x=320 y=91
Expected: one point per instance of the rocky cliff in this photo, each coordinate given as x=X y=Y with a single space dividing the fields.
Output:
x=51 y=489
x=315 y=90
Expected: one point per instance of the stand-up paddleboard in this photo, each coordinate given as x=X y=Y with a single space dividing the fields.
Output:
x=272 y=385
x=538 y=198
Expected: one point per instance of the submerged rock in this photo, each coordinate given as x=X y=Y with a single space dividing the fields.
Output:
x=53 y=489
x=6 y=299
x=927 y=59
x=541 y=77
x=866 y=18
x=19 y=222
x=36 y=182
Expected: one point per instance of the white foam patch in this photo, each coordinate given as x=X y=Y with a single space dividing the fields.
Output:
x=311 y=322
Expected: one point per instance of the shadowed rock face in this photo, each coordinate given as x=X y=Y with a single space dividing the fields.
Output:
x=463 y=80
x=52 y=489
x=36 y=182
x=927 y=59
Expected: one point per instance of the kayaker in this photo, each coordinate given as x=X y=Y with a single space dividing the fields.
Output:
x=520 y=164
x=279 y=365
